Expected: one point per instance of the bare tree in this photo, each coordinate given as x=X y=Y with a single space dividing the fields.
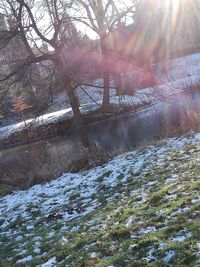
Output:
x=46 y=35
x=102 y=17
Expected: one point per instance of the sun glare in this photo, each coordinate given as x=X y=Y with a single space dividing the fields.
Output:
x=175 y=7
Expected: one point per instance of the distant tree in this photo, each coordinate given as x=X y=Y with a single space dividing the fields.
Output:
x=167 y=26
x=45 y=33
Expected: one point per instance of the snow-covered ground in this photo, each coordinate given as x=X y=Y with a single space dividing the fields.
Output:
x=173 y=77
x=141 y=207
x=178 y=68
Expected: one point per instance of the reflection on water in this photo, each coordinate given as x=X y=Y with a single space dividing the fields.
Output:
x=27 y=164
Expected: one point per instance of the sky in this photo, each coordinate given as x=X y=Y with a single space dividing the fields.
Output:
x=86 y=30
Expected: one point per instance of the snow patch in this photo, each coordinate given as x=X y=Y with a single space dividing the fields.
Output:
x=49 y=263
x=26 y=259
x=168 y=257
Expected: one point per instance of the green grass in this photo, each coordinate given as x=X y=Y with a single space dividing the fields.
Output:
x=115 y=230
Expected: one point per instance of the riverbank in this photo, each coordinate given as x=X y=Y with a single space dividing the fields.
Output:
x=140 y=209
x=59 y=123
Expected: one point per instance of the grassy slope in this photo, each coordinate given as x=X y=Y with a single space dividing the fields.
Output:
x=141 y=209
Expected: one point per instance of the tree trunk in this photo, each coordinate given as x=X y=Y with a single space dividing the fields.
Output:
x=62 y=72
x=106 y=91
x=118 y=83
x=74 y=103
x=106 y=77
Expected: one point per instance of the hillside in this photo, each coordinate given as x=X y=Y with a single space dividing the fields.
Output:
x=140 y=209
